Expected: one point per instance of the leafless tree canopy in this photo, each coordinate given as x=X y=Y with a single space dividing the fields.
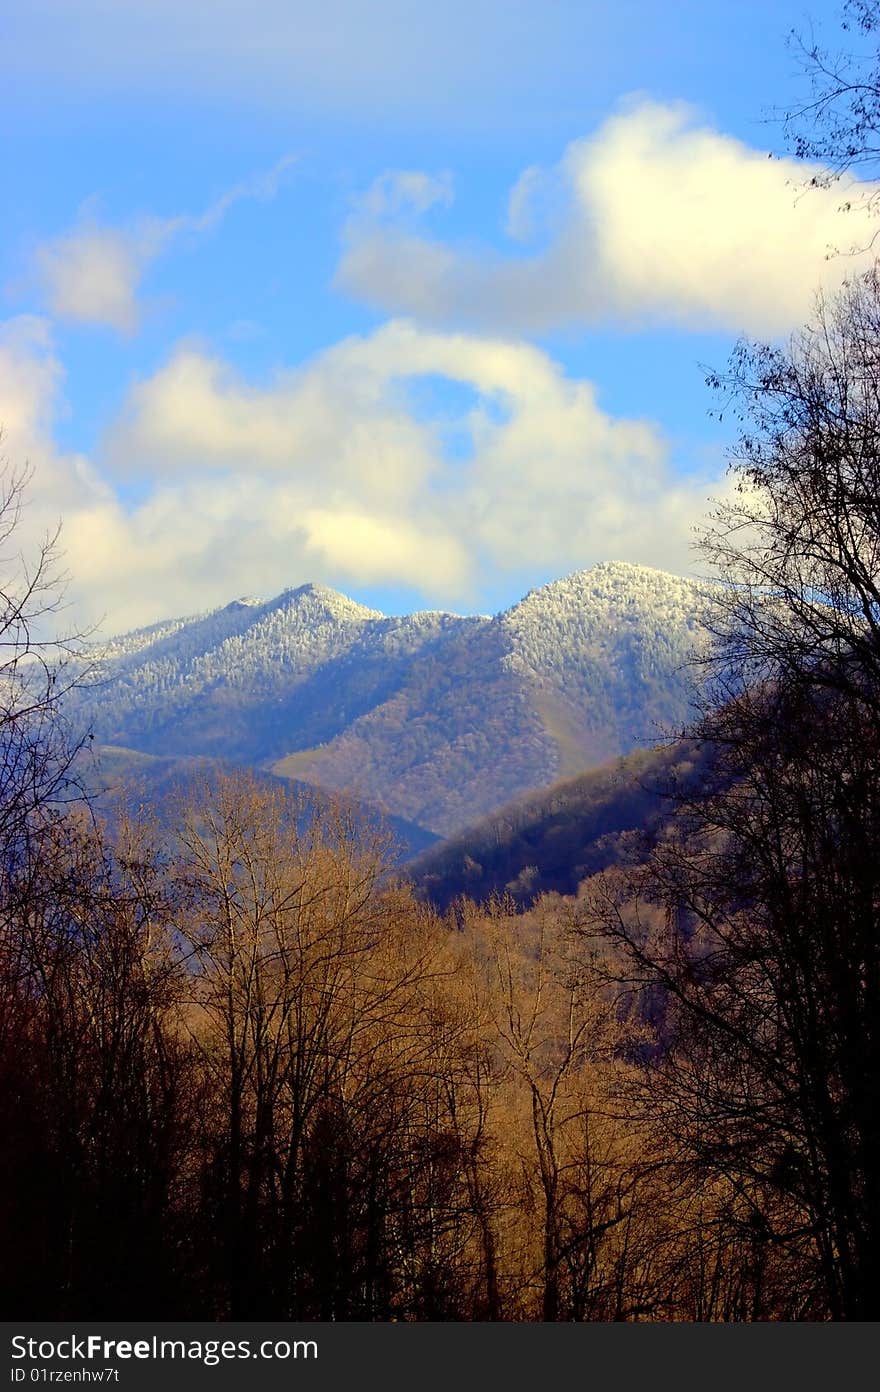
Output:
x=39 y=662
x=838 y=123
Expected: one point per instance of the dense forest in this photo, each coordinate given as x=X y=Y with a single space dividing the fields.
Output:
x=256 y=1080
x=553 y=839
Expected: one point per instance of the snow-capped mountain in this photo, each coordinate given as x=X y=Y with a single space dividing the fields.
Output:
x=437 y=717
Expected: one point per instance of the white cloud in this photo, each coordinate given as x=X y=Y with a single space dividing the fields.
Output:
x=342 y=471
x=387 y=549
x=528 y=191
x=31 y=402
x=90 y=276
x=333 y=423
x=398 y=190
x=92 y=273
x=656 y=218
x=63 y=485
x=29 y=379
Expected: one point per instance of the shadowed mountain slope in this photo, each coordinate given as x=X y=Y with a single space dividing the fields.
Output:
x=125 y=778
x=554 y=839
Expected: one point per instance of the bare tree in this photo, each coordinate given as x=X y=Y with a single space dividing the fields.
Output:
x=754 y=929
x=838 y=123
x=797 y=543
x=38 y=667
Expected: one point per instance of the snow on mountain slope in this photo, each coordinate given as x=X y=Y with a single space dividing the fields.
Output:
x=435 y=716
x=611 y=612
x=610 y=644
x=247 y=640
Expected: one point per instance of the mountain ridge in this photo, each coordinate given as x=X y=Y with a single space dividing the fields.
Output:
x=436 y=717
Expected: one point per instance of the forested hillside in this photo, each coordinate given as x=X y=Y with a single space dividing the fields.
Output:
x=553 y=839
x=124 y=782
x=434 y=717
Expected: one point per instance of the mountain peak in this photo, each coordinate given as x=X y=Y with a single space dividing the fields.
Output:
x=243 y=602
x=606 y=582
x=626 y=569
x=437 y=717
x=313 y=596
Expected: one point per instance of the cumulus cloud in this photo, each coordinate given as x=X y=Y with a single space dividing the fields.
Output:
x=334 y=422
x=91 y=274
x=655 y=218
x=29 y=379
x=383 y=549
x=31 y=403
x=63 y=484
x=347 y=470
x=528 y=200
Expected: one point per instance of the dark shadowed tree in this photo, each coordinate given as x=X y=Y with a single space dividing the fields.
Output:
x=837 y=124
x=756 y=926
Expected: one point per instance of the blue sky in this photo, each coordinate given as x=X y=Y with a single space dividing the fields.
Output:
x=409 y=299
